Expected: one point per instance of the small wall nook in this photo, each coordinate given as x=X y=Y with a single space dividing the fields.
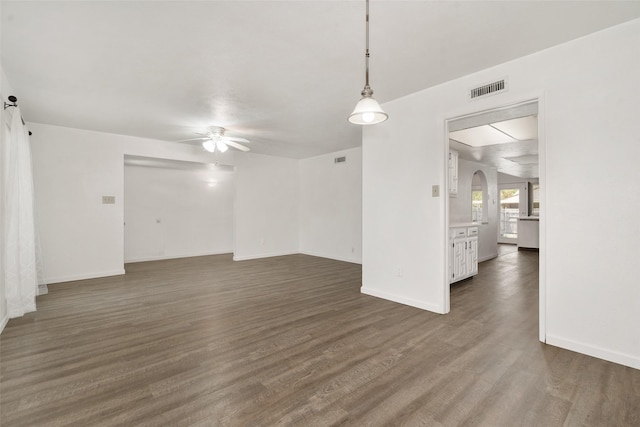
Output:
x=453 y=173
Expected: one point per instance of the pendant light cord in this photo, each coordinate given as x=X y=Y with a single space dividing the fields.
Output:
x=367 y=111
x=366 y=55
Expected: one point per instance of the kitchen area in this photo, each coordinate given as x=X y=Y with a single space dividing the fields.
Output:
x=493 y=186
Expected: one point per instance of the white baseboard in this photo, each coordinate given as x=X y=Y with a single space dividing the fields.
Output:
x=488 y=257
x=337 y=258
x=3 y=322
x=84 y=276
x=424 y=305
x=595 y=351
x=258 y=256
x=163 y=257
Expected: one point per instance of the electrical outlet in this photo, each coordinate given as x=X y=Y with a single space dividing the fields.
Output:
x=435 y=191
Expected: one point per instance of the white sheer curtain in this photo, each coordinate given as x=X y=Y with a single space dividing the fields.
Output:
x=19 y=245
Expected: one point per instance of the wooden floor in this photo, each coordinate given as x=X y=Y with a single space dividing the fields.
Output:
x=291 y=341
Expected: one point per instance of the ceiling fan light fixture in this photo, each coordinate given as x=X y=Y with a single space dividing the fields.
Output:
x=367 y=111
x=209 y=146
x=221 y=146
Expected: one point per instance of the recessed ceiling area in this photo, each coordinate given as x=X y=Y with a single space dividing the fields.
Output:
x=521 y=129
x=499 y=145
x=513 y=130
x=481 y=136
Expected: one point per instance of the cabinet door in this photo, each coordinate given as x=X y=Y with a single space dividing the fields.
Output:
x=459 y=259
x=472 y=257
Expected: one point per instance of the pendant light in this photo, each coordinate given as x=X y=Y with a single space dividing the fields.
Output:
x=367 y=111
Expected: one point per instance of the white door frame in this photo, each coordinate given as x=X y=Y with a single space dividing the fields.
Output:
x=481 y=106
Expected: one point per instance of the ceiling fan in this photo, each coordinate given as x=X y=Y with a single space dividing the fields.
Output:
x=215 y=139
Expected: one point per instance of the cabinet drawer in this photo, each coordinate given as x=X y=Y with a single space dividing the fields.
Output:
x=472 y=231
x=456 y=233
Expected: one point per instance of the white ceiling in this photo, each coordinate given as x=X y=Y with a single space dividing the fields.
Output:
x=511 y=146
x=284 y=74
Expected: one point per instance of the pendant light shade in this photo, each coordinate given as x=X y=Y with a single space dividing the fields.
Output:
x=367 y=111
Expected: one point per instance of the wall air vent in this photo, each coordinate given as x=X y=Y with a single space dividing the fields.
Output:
x=340 y=159
x=488 y=89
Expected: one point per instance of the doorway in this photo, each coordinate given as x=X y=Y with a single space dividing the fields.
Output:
x=509 y=208
x=515 y=154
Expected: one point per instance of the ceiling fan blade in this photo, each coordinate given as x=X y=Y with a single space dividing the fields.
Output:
x=230 y=143
x=192 y=139
x=236 y=139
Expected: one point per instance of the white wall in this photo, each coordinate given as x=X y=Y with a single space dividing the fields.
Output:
x=460 y=206
x=82 y=238
x=403 y=227
x=177 y=209
x=266 y=206
x=588 y=91
x=331 y=206
x=5 y=91
x=73 y=168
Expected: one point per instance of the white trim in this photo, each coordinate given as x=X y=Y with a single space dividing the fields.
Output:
x=258 y=256
x=594 y=351
x=4 y=322
x=443 y=130
x=424 y=305
x=503 y=101
x=85 y=276
x=160 y=258
x=487 y=257
x=351 y=260
x=542 y=181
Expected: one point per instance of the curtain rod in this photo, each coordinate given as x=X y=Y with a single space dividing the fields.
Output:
x=14 y=103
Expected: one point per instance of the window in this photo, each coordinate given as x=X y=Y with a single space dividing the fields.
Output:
x=476 y=205
x=478 y=196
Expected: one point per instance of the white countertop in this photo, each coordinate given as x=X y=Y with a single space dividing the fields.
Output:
x=464 y=224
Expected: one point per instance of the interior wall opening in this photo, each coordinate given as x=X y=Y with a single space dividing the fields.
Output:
x=493 y=188
x=176 y=209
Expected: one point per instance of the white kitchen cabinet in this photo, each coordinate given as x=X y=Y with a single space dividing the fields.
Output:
x=453 y=173
x=529 y=232
x=463 y=255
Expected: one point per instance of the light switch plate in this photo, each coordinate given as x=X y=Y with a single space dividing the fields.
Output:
x=435 y=191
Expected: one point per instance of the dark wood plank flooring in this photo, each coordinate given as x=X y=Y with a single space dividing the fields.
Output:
x=291 y=341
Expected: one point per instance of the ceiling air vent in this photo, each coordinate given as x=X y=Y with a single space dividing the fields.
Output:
x=488 y=89
x=340 y=159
